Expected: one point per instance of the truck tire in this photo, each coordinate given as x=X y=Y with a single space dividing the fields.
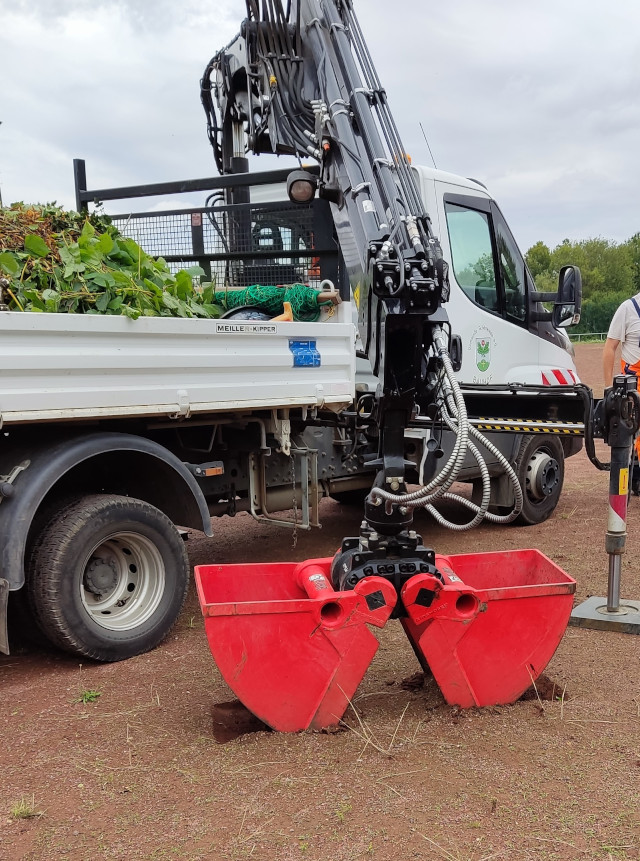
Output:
x=107 y=577
x=540 y=469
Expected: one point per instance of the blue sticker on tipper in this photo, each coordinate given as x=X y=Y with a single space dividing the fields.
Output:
x=305 y=354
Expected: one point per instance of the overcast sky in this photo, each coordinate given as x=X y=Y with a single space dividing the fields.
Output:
x=539 y=100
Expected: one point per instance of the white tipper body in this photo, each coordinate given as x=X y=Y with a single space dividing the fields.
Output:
x=64 y=366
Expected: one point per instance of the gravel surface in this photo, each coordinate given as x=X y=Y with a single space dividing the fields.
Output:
x=138 y=773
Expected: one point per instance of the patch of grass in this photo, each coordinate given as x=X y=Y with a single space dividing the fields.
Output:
x=343 y=810
x=89 y=696
x=25 y=809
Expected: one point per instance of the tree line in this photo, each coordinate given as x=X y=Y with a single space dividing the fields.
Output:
x=610 y=274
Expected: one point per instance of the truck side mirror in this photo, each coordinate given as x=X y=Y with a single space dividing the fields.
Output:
x=566 y=308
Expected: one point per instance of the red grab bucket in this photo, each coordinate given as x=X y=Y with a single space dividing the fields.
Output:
x=492 y=628
x=294 y=650
x=291 y=648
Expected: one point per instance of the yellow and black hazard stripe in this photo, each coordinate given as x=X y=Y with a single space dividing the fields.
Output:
x=529 y=426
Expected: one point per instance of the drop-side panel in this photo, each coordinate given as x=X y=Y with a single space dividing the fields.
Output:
x=60 y=366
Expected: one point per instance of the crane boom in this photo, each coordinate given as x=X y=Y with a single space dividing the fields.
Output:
x=299 y=80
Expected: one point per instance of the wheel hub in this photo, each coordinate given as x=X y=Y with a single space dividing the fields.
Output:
x=543 y=475
x=124 y=581
x=101 y=576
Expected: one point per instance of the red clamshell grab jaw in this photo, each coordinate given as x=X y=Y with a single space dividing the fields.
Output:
x=291 y=648
x=294 y=651
x=490 y=630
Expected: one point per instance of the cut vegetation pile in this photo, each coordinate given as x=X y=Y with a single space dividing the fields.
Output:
x=57 y=261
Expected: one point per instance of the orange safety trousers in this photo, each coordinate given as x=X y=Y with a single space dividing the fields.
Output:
x=634 y=371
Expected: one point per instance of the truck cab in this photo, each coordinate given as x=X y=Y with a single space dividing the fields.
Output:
x=493 y=304
x=516 y=363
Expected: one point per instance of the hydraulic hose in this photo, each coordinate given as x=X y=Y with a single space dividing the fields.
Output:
x=453 y=411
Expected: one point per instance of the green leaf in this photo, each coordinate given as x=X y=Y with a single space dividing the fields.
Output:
x=87 y=234
x=197 y=310
x=195 y=271
x=152 y=287
x=72 y=269
x=9 y=263
x=51 y=300
x=102 y=302
x=213 y=310
x=121 y=277
x=36 y=301
x=36 y=245
x=92 y=256
x=184 y=285
x=101 y=278
x=105 y=244
x=170 y=301
x=132 y=313
x=147 y=304
x=120 y=254
x=134 y=251
x=69 y=255
x=163 y=274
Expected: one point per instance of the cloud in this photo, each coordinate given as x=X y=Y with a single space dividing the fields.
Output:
x=537 y=100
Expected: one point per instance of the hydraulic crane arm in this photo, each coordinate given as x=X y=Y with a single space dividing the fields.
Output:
x=300 y=81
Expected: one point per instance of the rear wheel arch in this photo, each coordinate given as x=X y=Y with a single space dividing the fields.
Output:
x=68 y=467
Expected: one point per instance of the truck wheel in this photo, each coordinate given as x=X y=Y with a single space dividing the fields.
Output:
x=540 y=470
x=107 y=577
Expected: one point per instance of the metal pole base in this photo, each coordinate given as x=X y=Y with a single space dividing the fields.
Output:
x=593 y=613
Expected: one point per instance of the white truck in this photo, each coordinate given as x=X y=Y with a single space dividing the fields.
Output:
x=115 y=432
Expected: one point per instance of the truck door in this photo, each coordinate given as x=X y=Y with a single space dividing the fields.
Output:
x=491 y=306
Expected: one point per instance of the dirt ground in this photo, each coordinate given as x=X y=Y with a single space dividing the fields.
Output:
x=138 y=774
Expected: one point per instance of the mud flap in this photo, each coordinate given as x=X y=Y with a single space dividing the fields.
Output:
x=291 y=648
x=490 y=630
x=4 y=602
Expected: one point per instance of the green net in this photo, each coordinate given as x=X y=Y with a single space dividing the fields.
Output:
x=305 y=300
